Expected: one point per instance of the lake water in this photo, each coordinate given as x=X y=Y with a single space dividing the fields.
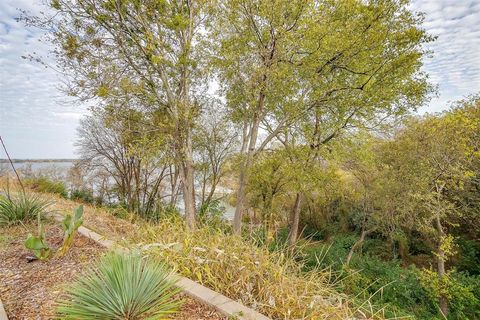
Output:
x=61 y=169
x=62 y=166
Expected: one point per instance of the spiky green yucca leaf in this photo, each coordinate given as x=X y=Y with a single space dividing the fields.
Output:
x=122 y=286
x=21 y=208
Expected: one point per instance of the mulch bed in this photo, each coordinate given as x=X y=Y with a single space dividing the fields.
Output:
x=29 y=290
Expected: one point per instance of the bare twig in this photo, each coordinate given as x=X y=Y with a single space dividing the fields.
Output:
x=11 y=163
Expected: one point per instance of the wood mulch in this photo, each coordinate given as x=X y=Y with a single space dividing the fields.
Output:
x=29 y=290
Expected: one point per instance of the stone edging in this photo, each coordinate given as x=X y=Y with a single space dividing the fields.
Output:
x=221 y=303
x=3 y=314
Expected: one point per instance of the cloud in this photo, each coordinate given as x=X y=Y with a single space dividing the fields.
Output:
x=35 y=120
x=68 y=115
x=455 y=65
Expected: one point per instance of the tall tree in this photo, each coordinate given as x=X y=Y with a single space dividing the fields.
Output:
x=146 y=53
x=331 y=64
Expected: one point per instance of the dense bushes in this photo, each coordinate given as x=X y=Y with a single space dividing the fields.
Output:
x=400 y=290
x=82 y=195
x=45 y=185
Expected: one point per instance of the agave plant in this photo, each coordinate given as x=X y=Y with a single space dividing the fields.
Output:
x=21 y=208
x=70 y=225
x=122 y=286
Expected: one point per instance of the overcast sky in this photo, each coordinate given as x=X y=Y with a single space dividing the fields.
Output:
x=35 y=121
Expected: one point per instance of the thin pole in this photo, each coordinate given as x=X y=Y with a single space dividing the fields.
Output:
x=11 y=163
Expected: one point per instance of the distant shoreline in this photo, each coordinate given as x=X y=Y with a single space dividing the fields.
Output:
x=38 y=160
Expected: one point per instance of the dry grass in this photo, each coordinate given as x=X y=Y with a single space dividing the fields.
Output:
x=270 y=282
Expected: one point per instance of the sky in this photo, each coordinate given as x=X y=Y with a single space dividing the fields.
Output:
x=36 y=120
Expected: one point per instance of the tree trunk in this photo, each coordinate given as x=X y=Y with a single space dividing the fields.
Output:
x=243 y=179
x=295 y=219
x=357 y=245
x=441 y=257
x=186 y=175
x=173 y=183
x=211 y=193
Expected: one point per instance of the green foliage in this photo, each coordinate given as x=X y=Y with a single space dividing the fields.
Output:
x=55 y=4
x=461 y=290
x=37 y=244
x=83 y=195
x=122 y=286
x=386 y=283
x=45 y=185
x=22 y=207
x=161 y=211
x=70 y=225
x=468 y=258
x=211 y=213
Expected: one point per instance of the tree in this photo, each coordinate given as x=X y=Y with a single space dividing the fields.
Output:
x=215 y=142
x=126 y=151
x=271 y=178
x=435 y=158
x=148 y=54
x=331 y=65
x=307 y=172
x=375 y=195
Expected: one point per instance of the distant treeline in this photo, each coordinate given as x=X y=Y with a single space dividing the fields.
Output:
x=37 y=160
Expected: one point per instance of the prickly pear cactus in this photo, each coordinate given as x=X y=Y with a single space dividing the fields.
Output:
x=38 y=244
x=70 y=226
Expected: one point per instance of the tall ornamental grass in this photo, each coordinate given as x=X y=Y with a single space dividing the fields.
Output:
x=274 y=283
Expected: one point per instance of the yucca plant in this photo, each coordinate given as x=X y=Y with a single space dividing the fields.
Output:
x=122 y=286
x=23 y=207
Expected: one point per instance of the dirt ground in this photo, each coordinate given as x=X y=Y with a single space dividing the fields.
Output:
x=29 y=289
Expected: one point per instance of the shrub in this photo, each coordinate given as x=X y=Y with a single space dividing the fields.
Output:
x=401 y=291
x=271 y=282
x=211 y=213
x=122 y=286
x=160 y=211
x=23 y=207
x=83 y=195
x=45 y=185
x=460 y=289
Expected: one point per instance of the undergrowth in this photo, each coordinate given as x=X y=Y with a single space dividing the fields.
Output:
x=45 y=185
x=398 y=288
x=272 y=282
